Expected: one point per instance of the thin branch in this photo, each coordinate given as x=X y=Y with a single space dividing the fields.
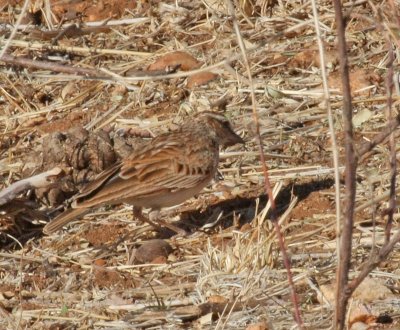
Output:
x=350 y=176
x=374 y=262
x=378 y=138
x=15 y=29
x=29 y=45
x=54 y=67
x=268 y=188
x=95 y=24
x=392 y=144
x=335 y=154
x=41 y=180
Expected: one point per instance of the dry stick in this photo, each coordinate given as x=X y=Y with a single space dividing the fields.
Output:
x=148 y=75
x=274 y=218
x=388 y=130
x=2 y=53
x=392 y=146
x=95 y=74
x=29 y=45
x=104 y=23
x=41 y=180
x=389 y=115
x=335 y=154
x=54 y=67
x=373 y=263
x=349 y=288
x=15 y=29
x=378 y=138
x=350 y=177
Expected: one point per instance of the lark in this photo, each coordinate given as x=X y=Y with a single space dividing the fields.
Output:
x=164 y=172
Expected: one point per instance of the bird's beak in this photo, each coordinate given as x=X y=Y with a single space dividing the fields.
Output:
x=233 y=139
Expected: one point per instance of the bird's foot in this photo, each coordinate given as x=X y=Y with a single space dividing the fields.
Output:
x=158 y=224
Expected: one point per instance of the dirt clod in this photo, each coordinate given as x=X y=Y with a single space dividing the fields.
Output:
x=151 y=251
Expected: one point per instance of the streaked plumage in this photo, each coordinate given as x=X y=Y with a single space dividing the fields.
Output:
x=166 y=171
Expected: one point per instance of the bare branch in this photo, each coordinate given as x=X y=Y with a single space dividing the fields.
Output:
x=267 y=184
x=379 y=138
x=54 y=67
x=350 y=176
x=374 y=262
x=41 y=180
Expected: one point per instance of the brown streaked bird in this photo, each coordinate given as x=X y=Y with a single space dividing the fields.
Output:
x=165 y=171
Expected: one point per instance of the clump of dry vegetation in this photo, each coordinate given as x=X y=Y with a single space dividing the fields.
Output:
x=125 y=71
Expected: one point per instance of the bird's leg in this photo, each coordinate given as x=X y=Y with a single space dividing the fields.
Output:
x=137 y=213
x=154 y=221
x=155 y=216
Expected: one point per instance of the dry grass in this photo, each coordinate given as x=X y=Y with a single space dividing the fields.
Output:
x=81 y=278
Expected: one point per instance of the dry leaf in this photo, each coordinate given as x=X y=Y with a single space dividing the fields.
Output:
x=206 y=319
x=184 y=60
x=361 y=117
x=216 y=299
x=372 y=289
x=360 y=316
x=311 y=57
x=328 y=293
x=201 y=78
x=100 y=262
x=257 y=326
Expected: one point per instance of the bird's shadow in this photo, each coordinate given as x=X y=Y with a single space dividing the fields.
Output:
x=244 y=208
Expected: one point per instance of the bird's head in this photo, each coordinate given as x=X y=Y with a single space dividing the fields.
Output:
x=221 y=127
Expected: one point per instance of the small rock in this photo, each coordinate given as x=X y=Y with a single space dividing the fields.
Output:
x=153 y=250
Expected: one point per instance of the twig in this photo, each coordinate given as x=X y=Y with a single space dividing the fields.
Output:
x=389 y=245
x=271 y=199
x=75 y=49
x=109 y=22
x=15 y=29
x=41 y=180
x=373 y=263
x=335 y=155
x=54 y=67
x=378 y=138
x=350 y=176
x=392 y=143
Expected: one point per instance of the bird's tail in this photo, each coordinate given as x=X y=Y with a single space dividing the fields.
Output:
x=64 y=218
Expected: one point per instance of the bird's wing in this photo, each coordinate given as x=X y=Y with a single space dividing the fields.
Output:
x=156 y=169
x=93 y=187
x=62 y=219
